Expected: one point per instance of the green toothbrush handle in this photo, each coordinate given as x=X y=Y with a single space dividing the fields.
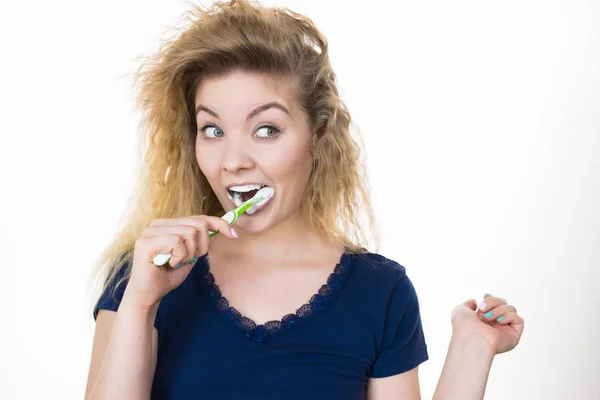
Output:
x=233 y=215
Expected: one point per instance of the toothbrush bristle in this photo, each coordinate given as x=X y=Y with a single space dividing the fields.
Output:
x=264 y=192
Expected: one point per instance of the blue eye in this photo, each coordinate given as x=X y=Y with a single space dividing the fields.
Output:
x=269 y=131
x=211 y=132
x=264 y=132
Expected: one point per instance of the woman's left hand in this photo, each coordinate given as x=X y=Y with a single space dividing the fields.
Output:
x=493 y=319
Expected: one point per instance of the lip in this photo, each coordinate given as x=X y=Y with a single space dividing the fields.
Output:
x=244 y=183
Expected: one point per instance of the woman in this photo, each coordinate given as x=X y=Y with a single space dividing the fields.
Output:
x=288 y=303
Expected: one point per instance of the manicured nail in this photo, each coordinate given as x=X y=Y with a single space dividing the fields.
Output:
x=488 y=295
x=483 y=306
x=489 y=315
x=500 y=319
x=234 y=233
x=183 y=263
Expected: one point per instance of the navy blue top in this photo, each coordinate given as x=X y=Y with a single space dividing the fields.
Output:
x=363 y=323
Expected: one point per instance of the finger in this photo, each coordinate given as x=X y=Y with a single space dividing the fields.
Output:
x=216 y=224
x=189 y=234
x=490 y=302
x=202 y=239
x=514 y=320
x=498 y=312
x=511 y=318
x=168 y=243
x=182 y=270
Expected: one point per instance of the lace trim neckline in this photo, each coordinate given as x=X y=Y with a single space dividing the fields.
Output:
x=261 y=332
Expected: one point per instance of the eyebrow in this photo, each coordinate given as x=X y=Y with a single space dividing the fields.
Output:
x=253 y=113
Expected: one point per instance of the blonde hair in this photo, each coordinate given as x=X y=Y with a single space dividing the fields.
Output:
x=240 y=35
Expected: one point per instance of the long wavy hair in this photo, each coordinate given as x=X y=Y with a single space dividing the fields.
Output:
x=212 y=41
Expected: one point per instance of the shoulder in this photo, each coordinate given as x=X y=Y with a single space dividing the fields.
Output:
x=377 y=269
x=382 y=283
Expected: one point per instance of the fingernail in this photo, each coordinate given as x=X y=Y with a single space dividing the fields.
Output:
x=500 y=319
x=483 y=306
x=489 y=315
x=192 y=260
x=234 y=233
x=488 y=295
x=178 y=265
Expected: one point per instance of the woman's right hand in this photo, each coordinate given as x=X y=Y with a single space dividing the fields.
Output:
x=185 y=238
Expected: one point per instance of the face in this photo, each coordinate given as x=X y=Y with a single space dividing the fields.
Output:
x=251 y=133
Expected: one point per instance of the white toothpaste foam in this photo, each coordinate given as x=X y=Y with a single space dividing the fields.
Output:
x=266 y=192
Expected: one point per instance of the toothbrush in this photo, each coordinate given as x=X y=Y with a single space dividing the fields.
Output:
x=232 y=216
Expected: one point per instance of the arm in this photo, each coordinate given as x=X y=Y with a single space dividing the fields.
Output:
x=472 y=348
x=402 y=386
x=464 y=375
x=125 y=344
x=466 y=369
x=123 y=354
x=395 y=373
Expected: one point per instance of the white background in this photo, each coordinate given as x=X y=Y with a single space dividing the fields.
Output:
x=482 y=128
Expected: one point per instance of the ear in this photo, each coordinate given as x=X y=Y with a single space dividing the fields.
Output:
x=317 y=135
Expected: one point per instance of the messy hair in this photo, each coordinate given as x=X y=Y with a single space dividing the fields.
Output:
x=228 y=36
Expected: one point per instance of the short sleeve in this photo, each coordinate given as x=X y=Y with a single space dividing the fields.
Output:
x=113 y=294
x=403 y=345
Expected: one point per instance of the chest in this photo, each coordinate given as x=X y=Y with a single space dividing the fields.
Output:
x=293 y=366
x=265 y=292
x=202 y=355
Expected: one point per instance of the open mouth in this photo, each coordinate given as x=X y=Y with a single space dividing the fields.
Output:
x=242 y=193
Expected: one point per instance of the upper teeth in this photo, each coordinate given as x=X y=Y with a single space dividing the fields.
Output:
x=245 y=188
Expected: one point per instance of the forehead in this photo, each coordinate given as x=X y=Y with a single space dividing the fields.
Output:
x=244 y=88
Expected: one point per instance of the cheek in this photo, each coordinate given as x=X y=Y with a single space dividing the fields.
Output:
x=207 y=161
x=290 y=163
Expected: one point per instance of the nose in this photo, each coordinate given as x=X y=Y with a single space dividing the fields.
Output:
x=236 y=156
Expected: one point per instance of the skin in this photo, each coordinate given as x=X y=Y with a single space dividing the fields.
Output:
x=236 y=150
x=240 y=141
x=271 y=249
